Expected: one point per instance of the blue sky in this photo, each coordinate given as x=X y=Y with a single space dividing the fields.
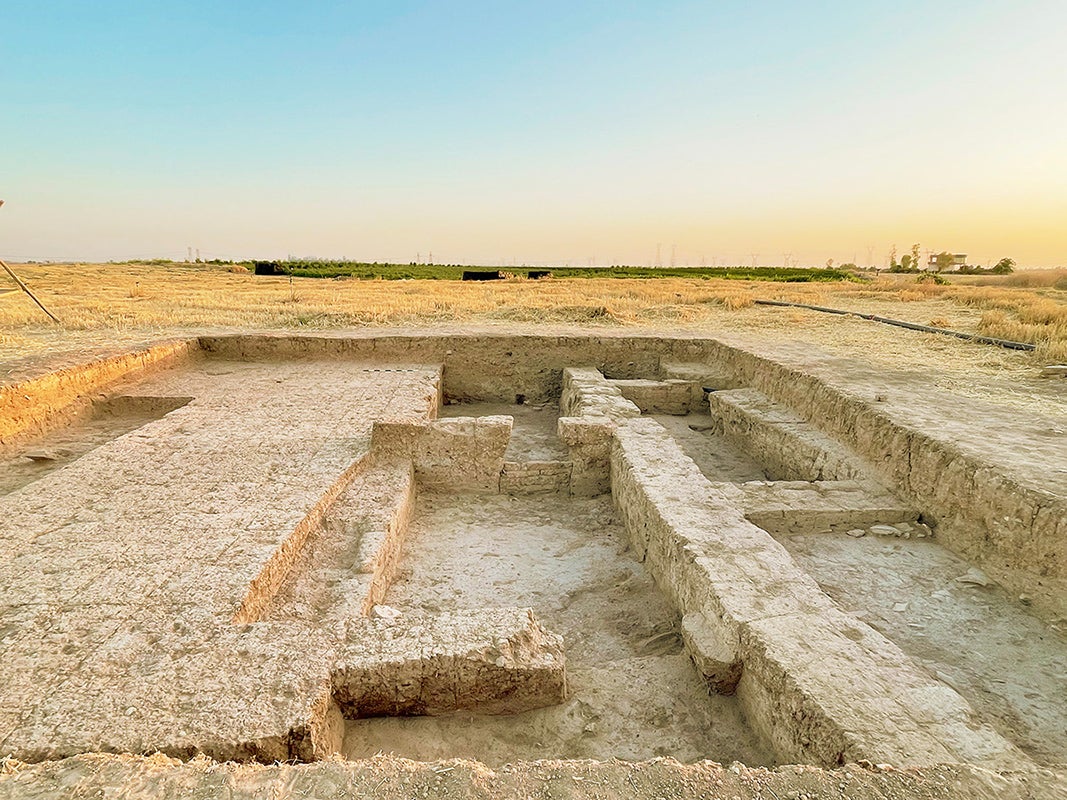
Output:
x=541 y=132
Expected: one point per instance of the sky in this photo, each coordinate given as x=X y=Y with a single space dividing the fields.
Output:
x=549 y=132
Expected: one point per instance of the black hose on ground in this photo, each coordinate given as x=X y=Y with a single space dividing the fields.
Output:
x=970 y=337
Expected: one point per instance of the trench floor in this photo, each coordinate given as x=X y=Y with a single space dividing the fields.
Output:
x=1010 y=666
x=719 y=460
x=633 y=693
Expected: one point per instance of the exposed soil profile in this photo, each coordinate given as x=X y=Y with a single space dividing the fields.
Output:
x=633 y=693
x=108 y=420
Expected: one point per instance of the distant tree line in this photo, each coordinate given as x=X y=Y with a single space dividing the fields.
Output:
x=944 y=262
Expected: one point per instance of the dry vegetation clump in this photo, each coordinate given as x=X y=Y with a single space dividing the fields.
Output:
x=1029 y=279
x=1021 y=316
x=1049 y=336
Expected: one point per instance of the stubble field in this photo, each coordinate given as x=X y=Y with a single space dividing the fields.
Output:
x=104 y=307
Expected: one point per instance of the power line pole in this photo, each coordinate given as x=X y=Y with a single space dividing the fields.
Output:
x=659 y=261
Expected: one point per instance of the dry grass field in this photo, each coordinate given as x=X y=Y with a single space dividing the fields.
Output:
x=103 y=306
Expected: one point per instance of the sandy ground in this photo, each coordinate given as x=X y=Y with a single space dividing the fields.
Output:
x=390 y=778
x=633 y=694
x=1010 y=666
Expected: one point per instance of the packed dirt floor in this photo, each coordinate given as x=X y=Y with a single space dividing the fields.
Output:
x=718 y=459
x=108 y=420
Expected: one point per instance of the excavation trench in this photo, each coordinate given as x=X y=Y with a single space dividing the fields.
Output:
x=885 y=568
x=667 y=554
x=633 y=693
x=634 y=690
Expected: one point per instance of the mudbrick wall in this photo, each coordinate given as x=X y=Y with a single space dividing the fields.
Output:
x=820 y=686
x=462 y=453
x=991 y=497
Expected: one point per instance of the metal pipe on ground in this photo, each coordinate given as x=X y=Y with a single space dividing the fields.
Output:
x=970 y=337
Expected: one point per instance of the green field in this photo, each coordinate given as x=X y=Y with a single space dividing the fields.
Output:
x=454 y=272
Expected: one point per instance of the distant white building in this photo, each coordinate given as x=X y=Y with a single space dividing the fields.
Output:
x=959 y=261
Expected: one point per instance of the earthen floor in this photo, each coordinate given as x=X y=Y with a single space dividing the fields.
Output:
x=977 y=638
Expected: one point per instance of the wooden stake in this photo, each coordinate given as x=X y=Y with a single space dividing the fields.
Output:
x=26 y=289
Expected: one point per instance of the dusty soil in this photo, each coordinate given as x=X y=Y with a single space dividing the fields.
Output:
x=389 y=778
x=633 y=694
x=1010 y=666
